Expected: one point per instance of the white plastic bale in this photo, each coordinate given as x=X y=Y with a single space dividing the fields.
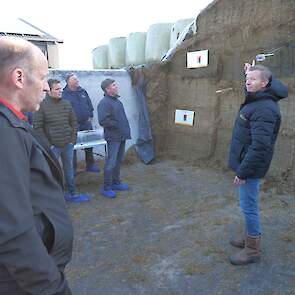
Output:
x=177 y=29
x=117 y=52
x=135 y=49
x=157 y=41
x=100 y=57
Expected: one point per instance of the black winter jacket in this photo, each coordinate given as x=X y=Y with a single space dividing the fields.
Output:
x=35 y=230
x=112 y=117
x=255 y=131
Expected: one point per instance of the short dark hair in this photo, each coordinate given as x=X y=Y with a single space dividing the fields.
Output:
x=51 y=82
x=265 y=71
x=105 y=83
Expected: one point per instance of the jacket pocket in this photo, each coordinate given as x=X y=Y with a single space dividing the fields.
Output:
x=45 y=230
x=50 y=135
x=242 y=154
x=67 y=135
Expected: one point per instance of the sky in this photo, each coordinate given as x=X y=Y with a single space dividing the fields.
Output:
x=87 y=24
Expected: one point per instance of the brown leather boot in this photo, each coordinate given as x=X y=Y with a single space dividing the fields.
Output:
x=238 y=241
x=250 y=254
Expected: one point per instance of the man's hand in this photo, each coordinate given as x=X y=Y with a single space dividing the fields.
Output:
x=239 y=181
x=247 y=67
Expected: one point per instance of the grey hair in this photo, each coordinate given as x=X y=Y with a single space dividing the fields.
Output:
x=265 y=71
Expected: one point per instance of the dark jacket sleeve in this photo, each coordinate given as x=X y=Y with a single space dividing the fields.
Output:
x=105 y=115
x=262 y=125
x=22 y=251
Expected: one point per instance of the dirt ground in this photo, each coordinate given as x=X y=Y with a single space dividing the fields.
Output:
x=169 y=235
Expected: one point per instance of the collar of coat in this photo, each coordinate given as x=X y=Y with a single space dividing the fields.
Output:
x=20 y=115
x=259 y=95
x=12 y=117
x=113 y=97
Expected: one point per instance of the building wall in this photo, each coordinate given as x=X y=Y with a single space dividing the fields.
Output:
x=50 y=50
x=53 y=55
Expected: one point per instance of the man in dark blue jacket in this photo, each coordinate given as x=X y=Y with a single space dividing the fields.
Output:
x=112 y=117
x=83 y=109
x=253 y=140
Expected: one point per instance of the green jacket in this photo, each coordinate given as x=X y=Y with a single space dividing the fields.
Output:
x=56 y=121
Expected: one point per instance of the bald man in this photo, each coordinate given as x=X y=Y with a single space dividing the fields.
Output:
x=35 y=230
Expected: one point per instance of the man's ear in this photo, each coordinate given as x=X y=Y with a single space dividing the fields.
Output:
x=265 y=83
x=17 y=77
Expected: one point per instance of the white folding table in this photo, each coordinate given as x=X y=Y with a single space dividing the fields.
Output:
x=89 y=139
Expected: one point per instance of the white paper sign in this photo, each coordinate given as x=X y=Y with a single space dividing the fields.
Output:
x=184 y=117
x=197 y=59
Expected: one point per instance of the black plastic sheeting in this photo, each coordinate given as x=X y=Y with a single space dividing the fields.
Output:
x=144 y=144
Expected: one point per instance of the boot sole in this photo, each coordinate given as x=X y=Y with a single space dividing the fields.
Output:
x=238 y=245
x=252 y=260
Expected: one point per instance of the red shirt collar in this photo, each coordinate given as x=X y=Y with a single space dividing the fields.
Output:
x=20 y=115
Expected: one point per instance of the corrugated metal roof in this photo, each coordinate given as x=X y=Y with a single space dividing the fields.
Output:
x=23 y=29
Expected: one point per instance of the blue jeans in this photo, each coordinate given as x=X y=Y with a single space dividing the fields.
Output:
x=113 y=162
x=249 y=204
x=66 y=154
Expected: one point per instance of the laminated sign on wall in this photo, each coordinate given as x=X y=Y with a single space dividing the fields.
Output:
x=197 y=59
x=184 y=117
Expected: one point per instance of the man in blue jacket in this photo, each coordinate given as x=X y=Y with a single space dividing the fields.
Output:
x=253 y=140
x=83 y=109
x=112 y=117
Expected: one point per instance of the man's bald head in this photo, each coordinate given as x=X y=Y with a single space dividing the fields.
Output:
x=23 y=72
x=16 y=53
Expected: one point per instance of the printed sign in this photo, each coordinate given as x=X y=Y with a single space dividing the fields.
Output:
x=197 y=59
x=184 y=117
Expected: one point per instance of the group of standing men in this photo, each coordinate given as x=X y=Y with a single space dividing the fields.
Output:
x=36 y=233
x=64 y=112
x=61 y=115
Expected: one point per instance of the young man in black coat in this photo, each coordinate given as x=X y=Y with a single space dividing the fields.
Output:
x=112 y=117
x=253 y=140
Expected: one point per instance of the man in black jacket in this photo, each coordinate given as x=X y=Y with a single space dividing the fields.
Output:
x=35 y=230
x=253 y=140
x=112 y=117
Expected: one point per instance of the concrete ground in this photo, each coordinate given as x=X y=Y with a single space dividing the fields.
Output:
x=169 y=235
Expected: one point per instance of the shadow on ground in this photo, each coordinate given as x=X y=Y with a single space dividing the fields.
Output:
x=169 y=236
